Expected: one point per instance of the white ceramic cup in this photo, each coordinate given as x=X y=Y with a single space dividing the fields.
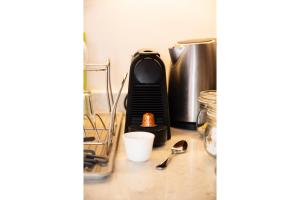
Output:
x=138 y=145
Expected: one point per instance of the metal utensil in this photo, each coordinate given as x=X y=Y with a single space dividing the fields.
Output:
x=178 y=148
x=88 y=139
x=97 y=159
x=90 y=160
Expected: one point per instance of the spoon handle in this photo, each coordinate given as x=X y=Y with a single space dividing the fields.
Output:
x=164 y=164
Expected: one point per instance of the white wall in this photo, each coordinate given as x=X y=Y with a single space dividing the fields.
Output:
x=117 y=28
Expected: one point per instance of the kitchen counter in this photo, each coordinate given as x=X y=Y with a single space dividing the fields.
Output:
x=189 y=176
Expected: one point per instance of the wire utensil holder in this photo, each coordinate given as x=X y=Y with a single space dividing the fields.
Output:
x=103 y=67
x=92 y=118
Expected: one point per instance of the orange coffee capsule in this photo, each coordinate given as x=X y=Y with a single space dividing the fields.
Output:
x=148 y=120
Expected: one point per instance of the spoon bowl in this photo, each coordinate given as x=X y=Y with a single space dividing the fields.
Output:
x=179 y=147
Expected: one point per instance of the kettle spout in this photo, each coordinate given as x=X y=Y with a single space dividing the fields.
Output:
x=175 y=53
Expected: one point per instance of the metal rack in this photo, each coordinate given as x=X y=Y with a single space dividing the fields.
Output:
x=104 y=127
x=103 y=67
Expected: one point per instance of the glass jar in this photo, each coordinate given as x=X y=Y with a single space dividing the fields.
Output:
x=207 y=115
x=210 y=139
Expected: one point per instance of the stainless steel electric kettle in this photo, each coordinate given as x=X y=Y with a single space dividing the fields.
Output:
x=193 y=69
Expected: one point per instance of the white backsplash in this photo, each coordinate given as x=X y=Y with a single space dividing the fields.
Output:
x=100 y=102
x=116 y=29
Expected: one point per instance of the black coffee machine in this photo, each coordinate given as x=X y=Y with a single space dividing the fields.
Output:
x=147 y=93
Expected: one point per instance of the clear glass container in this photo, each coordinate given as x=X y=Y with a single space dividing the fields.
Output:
x=210 y=139
x=207 y=115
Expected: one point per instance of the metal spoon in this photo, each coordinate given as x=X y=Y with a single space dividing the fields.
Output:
x=178 y=148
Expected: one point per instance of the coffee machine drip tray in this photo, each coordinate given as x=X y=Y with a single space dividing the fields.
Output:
x=160 y=132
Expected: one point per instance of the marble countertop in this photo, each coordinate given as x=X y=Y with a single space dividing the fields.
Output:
x=189 y=176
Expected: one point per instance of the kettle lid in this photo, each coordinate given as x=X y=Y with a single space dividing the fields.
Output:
x=197 y=41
